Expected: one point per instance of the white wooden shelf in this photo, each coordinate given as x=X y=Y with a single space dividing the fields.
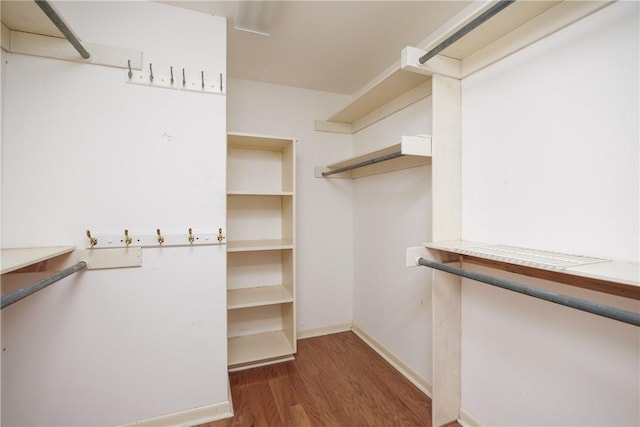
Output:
x=261 y=275
x=258 y=245
x=259 y=347
x=259 y=296
x=599 y=274
x=17 y=258
x=259 y=193
x=514 y=28
x=415 y=151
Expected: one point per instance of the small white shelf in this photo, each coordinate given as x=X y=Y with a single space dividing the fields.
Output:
x=255 y=297
x=258 y=245
x=259 y=347
x=599 y=274
x=17 y=258
x=259 y=193
x=414 y=150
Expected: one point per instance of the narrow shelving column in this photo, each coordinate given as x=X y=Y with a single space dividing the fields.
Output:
x=260 y=250
x=446 y=225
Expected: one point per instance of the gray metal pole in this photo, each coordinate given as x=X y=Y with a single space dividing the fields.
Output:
x=364 y=163
x=66 y=31
x=41 y=284
x=489 y=13
x=566 y=300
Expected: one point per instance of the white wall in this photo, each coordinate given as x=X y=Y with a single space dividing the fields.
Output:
x=324 y=207
x=83 y=149
x=392 y=303
x=550 y=161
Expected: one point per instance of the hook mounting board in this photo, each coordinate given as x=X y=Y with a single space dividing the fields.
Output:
x=164 y=81
x=150 y=240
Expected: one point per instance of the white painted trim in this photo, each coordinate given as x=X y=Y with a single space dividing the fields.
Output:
x=394 y=360
x=467 y=420
x=324 y=330
x=190 y=417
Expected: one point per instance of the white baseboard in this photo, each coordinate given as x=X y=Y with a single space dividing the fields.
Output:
x=191 y=417
x=398 y=364
x=325 y=330
x=467 y=420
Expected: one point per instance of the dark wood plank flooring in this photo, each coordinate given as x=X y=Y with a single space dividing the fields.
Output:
x=336 y=380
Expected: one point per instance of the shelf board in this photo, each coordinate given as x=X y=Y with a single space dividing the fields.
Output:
x=416 y=151
x=17 y=258
x=598 y=274
x=259 y=193
x=259 y=296
x=518 y=26
x=254 y=348
x=258 y=245
x=248 y=141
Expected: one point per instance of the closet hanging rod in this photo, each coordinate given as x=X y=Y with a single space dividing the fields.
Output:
x=41 y=284
x=364 y=163
x=486 y=15
x=66 y=31
x=566 y=300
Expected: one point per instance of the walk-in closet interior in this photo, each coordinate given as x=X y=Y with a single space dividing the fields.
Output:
x=190 y=190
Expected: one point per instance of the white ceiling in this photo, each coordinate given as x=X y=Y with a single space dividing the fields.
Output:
x=333 y=46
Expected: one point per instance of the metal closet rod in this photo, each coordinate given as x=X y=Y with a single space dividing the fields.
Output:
x=66 y=31
x=41 y=284
x=486 y=15
x=566 y=300
x=364 y=163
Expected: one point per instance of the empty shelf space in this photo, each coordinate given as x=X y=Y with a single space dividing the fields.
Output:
x=254 y=297
x=17 y=258
x=258 y=245
x=253 y=348
x=412 y=151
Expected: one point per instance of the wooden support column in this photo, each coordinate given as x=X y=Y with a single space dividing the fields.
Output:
x=446 y=213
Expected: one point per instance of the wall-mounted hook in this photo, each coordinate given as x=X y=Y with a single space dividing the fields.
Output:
x=130 y=72
x=92 y=240
x=220 y=236
x=191 y=236
x=220 y=82
x=150 y=73
x=127 y=238
x=171 y=68
x=202 y=78
x=184 y=80
x=160 y=237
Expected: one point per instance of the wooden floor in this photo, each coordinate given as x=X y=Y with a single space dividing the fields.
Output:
x=336 y=380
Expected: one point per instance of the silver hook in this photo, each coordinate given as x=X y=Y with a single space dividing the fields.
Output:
x=220 y=82
x=150 y=72
x=129 y=65
x=202 y=77
x=171 y=75
x=184 y=80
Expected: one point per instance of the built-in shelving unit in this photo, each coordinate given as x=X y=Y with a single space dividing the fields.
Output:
x=412 y=151
x=260 y=249
x=598 y=274
x=16 y=258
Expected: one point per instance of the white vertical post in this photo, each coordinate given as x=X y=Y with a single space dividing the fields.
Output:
x=446 y=224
